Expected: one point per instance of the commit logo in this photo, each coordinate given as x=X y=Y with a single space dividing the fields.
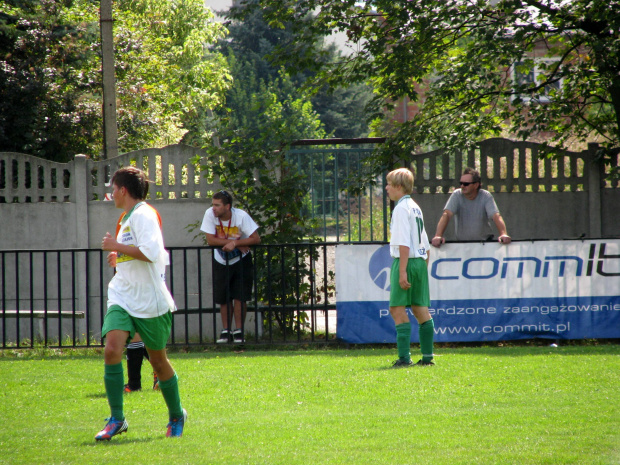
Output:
x=379 y=267
x=601 y=263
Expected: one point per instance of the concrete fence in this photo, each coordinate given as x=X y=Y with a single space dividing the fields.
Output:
x=540 y=198
x=48 y=205
x=55 y=207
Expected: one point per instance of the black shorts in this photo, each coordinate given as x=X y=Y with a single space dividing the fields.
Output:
x=233 y=281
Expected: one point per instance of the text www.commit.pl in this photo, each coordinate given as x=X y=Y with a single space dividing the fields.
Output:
x=526 y=328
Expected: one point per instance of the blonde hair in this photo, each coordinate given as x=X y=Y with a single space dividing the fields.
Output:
x=402 y=177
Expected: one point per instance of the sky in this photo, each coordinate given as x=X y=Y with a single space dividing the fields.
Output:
x=221 y=5
x=218 y=5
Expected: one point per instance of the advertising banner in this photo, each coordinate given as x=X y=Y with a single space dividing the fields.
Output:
x=488 y=291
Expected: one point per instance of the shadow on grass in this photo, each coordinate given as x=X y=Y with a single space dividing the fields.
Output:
x=119 y=442
x=412 y=368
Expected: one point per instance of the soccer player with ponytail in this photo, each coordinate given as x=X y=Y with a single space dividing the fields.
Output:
x=138 y=301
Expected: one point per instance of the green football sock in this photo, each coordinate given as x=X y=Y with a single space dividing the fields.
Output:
x=170 y=391
x=114 y=384
x=426 y=332
x=403 y=340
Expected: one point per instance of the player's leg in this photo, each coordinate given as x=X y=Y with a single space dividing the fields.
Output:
x=426 y=332
x=155 y=333
x=115 y=340
x=113 y=378
x=135 y=354
x=398 y=302
x=417 y=272
x=169 y=386
x=403 y=335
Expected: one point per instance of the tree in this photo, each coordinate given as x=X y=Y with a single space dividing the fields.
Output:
x=48 y=104
x=266 y=110
x=50 y=75
x=168 y=78
x=250 y=44
x=250 y=161
x=458 y=60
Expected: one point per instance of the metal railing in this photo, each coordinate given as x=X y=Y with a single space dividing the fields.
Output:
x=341 y=215
x=57 y=298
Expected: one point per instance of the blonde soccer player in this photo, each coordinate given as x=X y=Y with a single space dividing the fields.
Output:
x=409 y=247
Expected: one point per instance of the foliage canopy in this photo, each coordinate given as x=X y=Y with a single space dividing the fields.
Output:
x=50 y=74
x=249 y=159
x=545 y=69
x=249 y=46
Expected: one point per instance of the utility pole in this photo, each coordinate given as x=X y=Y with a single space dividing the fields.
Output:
x=110 y=129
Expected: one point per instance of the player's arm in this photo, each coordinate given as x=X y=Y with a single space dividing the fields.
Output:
x=111 y=244
x=403 y=252
x=438 y=240
x=504 y=238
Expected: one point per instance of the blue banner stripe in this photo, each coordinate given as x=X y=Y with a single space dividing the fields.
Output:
x=489 y=319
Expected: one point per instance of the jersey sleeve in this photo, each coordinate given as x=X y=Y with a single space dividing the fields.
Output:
x=147 y=233
x=401 y=231
x=208 y=222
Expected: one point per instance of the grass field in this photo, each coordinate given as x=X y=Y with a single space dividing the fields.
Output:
x=484 y=405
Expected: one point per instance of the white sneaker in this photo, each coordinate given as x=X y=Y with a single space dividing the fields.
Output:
x=238 y=336
x=225 y=337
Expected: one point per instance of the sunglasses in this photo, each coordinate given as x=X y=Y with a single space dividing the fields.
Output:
x=227 y=195
x=466 y=183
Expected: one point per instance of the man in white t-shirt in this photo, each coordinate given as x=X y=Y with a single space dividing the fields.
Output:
x=473 y=208
x=233 y=231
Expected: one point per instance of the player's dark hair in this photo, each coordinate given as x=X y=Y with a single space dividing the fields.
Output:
x=475 y=174
x=224 y=196
x=132 y=179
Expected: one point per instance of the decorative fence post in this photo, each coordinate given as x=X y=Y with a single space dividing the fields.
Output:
x=80 y=195
x=80 y=183
x=594 y=191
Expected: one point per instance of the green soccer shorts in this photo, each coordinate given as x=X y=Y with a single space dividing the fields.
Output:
x=418 y=295
x=153 y=331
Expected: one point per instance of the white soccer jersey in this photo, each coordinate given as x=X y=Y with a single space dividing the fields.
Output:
x=407 y=228
x=138 y=286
